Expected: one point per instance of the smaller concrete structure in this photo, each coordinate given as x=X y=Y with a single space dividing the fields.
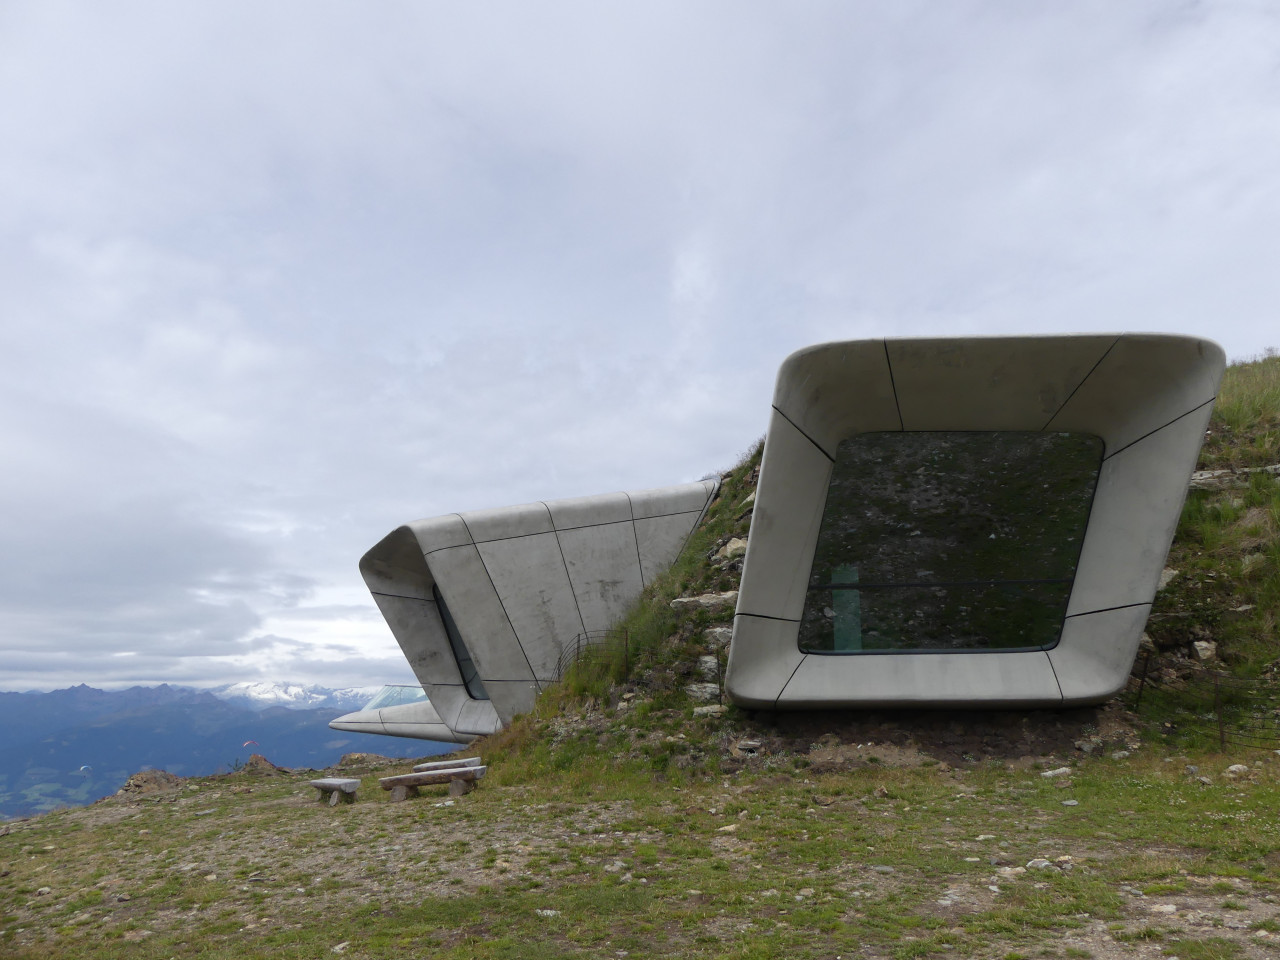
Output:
x=881 y=570
x=485 y=603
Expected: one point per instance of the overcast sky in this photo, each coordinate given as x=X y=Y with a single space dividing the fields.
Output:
x=278 y=277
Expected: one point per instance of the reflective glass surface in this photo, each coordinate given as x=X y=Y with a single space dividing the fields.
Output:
x=395 y=695
x=937 y=541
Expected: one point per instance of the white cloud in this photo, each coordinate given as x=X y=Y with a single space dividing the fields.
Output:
x=274 y=279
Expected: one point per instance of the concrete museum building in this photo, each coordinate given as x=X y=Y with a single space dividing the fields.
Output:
x=962 y=522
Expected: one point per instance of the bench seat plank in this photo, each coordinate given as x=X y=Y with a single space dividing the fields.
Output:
x=446 y=764
x=428 y=777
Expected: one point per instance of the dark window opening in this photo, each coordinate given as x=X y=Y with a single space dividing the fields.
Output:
x=949 y=541
x=470 y=676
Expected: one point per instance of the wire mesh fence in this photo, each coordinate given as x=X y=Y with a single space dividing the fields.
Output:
x=1245 y=711
x=595 y=647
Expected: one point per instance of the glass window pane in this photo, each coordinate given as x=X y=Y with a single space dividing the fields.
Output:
x=949 y=541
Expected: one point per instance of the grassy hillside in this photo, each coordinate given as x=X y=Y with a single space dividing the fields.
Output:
x=625 y=819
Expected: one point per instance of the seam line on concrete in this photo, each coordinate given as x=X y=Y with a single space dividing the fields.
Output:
x=892 y=384
x=1056 y=682
x=1062 y=406
x=805 y=435
x=635 y=535
x=1194 y=409
x=494 y=587
x=1123 y=606
x=564 y=563
x=706 y=505
x=543 y=533
x=778 y=698
x=401 y=596
x=765 y=616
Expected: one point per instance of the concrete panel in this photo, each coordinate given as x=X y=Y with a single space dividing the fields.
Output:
x=477 y=718
x=437 y=533
x=784 y=525
x=604 y=569
x=762 y=656
x=419 y=721
x=417 y=628
x=997 y=383
x=661 y=501
x=483 y=625
x=394 y=565
x=923 y=679
x=660 y=540
x=510 y=698
x=835 y=390
x=1144 y=382
x=529 y=576
x=589 y=511
x=1096 y=653
x=503 y=523
x=1135 y=514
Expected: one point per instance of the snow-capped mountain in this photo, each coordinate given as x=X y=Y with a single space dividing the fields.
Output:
x=298 y=696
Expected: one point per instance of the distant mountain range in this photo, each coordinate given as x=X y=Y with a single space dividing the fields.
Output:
x=70 y=747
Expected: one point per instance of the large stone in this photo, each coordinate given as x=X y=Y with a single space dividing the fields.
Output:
x=706 y=601
x=734 y=548
x=703 y=691
x=1205 y=649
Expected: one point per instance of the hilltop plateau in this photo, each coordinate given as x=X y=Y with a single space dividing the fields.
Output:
x=633 y=814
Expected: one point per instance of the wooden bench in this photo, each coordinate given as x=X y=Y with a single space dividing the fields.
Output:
x=337 y=790
x=461 y=777
x=446 y=764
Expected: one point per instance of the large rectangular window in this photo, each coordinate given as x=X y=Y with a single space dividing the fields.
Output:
x=937 y=541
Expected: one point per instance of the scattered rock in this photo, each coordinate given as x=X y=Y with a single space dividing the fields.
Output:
x=44 y=891
x=147 y=782
x=705 y=601
x=1071 y=803
x=1039 y=863
x=258 y=765
x=718 y=637
x=714 y=710
x=882 y=869
x=1119 y=754
x=340 y=947
x=547 y=913
x=1166 y=577
x=1059 y=772
x=703 y=691
x=734 y=548
x=1204 y=649
x=709 y=666
x=1237 y=770
x=1163 y=908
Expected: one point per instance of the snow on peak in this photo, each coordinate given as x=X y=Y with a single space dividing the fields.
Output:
x=297 y=696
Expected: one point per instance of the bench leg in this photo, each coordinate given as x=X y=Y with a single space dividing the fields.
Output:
x=335 y=797
x=460 y=788
x=401 y=792
x=323 y=795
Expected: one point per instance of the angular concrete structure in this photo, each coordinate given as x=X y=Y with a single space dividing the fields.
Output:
x=484 y=603
x=967 y=522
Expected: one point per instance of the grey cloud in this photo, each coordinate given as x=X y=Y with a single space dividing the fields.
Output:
x=276 y=279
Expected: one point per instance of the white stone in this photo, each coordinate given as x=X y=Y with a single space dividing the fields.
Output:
x=713 y=710
x=734 y=548
x=706 y=601
x=1166 y=577
x=1059 y=772
x=1205 y=649
x=703 y=691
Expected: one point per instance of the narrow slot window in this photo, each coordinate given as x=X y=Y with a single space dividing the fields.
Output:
x=470 y=676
